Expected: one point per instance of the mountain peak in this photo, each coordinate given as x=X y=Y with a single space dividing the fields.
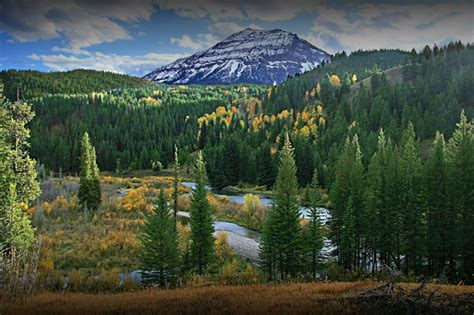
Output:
x=248 y=56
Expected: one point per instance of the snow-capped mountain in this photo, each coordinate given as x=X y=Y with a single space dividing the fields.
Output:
x=249 y=56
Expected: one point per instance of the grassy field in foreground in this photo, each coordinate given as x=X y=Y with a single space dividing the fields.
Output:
x=319 y=298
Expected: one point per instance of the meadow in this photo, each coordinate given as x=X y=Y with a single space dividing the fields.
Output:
x=294 y=298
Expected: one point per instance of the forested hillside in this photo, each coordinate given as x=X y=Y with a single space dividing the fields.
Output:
x=34 y=83
x=239 y=127
x=391 y=157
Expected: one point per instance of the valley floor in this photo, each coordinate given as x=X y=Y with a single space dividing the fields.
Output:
x=294 y=298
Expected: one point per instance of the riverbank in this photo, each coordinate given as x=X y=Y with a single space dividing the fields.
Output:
x=360 y=297
x=258 y=190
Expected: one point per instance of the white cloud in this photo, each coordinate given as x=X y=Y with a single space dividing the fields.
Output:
x=186 y=41
x=217 y=10
x=372 y=26
x=136 y=65
x=217 y=32
x=83 y=23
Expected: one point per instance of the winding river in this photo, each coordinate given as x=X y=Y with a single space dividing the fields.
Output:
x=244 y=240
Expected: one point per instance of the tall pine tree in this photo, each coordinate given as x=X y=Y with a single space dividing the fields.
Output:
x=281 y=246
x=411 y=202
x=312 y=234
x=461 y=161
x=160 y=256
x=202 y=246
x=18 y=187
x=89 y=184
x=348 y=215
x=175 y=184
x=438 y=217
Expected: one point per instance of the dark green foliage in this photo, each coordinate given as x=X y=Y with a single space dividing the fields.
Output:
x=18 y=188
x=348 y=215
x=265 y=166
x=440 y=239
x=202 y=246
x=461 y=169
x=312 y=233
x=281 y=248
x=35 y=83
x=89 y=185
x=18 y=177
x=175 y=184
x=386 y=203
x=160 y=256
x=411 y=202
x=14 y=118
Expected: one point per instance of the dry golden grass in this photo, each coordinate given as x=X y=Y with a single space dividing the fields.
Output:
x=290 y=298
x=262 y=299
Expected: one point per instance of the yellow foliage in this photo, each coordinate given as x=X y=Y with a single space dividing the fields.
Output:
x=255 y=123
x=304 y=116
x=136 y=200
x=319 y=109
x=284 y=114
x=222 y=249
x=250 y=275
x=354 y=78
x=201 y=121
x=184 y=234
x=335 y=81
x=228 y=273
x=305 y=131
x=318 y=88
x=322 y=121
x=221 y=111
x=46 y=266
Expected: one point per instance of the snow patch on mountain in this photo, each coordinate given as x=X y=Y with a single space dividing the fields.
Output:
x=249 y=56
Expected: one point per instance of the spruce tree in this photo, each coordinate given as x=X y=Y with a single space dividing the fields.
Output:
x=175 y=184
x=14 y=118
x=265 y=172
x=348 y=215
x=313 y=237
x=202 y=229
x=461 y=165
x=438 y=217
x=411 y=202
x=89 y=184
x=18 y=187
x=282 y=240
x=160 y=255
x=379 y=215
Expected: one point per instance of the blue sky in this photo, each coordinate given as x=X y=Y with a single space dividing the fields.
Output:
x=135 y=37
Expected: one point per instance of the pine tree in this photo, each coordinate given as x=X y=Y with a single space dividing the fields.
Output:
x=175 y=184
x=14 y=118
x=265 y=172
x=313 y=237
x=347 y=196
x=89 y=185
x=18 y=187
x=232 y=159
x=439 y=220
x=412 y=203
x=282 y=240
x=16 y=232
x=379 y=216
x=160 y=254
x=202 y=246
x=461 y=162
